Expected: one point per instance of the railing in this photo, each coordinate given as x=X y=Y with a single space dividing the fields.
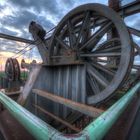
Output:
x=94 y=131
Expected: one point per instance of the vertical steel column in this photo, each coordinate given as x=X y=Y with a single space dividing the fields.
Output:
x=114 y=4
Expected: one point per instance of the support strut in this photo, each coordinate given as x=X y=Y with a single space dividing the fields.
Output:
x=88 y=110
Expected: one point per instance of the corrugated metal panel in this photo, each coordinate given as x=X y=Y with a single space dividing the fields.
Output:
x=3 y=83
x=64 y=81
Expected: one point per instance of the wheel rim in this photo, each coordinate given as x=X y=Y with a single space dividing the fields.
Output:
x=17 y=69
x=79 y=35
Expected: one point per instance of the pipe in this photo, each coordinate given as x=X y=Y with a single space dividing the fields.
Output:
x=35 y=126
x=94 y=131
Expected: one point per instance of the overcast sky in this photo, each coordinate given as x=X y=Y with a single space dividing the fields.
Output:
x=15 y=16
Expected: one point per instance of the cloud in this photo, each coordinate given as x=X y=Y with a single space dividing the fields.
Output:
x=133 y=20
x=137 y=22
x=21 y=22
x=47 y=13
x=68 y=3
x=1 y=8
x=124 y=2
x=46 y=23
x=6 y=31
x=10 y=46
x=37 y=5
x=15 y=16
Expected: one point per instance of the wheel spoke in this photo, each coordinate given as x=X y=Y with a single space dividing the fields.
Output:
x=110 y=54
x=89 y=26
x=134 y=31
x=103 y=68
x=97 y=75
x=107 y=44
x=93 y=84
x=84 y=24
x=62 y=43
x=72 y=36
x=109 y=49
x=97 y=36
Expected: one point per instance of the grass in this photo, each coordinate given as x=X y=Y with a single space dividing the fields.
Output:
x=23 y=75
x=2 y=73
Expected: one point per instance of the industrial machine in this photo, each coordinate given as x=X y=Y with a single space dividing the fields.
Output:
x=87 y=60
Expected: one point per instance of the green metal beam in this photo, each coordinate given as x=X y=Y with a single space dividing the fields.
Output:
x=35 y=126
x=94 y=131
x=98 y=128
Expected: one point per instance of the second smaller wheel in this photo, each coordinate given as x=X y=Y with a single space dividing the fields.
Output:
x=12 y=69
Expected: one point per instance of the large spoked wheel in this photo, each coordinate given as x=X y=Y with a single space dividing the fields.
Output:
x=83 y=35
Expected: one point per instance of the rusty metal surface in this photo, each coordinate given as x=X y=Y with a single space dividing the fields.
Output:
x=114 y=4
x=40 y=43
x=28 y=66
x=11 y=129
x=13 y=93
x=85 y=109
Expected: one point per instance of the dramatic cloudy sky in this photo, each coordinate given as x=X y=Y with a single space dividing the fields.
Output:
x=15 y=16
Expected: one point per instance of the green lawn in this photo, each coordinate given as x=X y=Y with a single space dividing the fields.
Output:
x=2 y=73
x=23 y=74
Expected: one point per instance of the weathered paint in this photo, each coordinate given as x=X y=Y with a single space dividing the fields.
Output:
x=83 y=108
x=34 y=73
x=64 y=81
x=94 y=131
